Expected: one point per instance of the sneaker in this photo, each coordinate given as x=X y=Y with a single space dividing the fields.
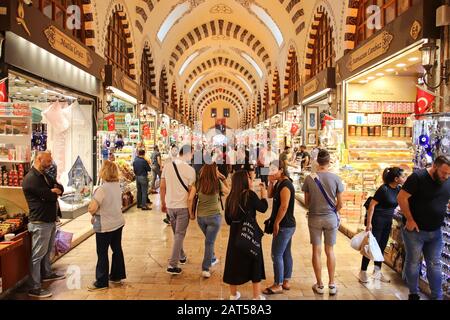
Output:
x=53 y=277
x=413 y=296
x=174 y=271
x=261 y=297
x=318 y=289
x=206 y=274
x=146 y=208
x=183 y=261
x=93 y=287
x=332 y=289
x=214 y=262
x=116 y=281
x=236 y=297
x=378 y=275
x=363 y=278
x=166 y=221
x=39 y=293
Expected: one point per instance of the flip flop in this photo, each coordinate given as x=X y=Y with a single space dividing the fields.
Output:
x=269 y=291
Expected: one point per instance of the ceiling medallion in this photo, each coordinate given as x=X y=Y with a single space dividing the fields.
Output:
x=221 y=9
x=196 y=3
x=245 y=3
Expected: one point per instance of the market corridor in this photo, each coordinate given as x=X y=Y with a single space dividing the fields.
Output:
x=147 y=242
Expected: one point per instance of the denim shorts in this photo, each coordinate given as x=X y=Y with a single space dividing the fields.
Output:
x=327 y=224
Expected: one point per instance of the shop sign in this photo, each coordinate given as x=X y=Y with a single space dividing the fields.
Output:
x=116 y=78
x=67 y=46
x=154 y=102
x=415 y=30
x=372 y=50
x=285 y=102
x=310 y=87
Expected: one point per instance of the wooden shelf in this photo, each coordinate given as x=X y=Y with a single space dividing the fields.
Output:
x=8 y=187
x=14 y=161
x=14 y=135
x=11 y=116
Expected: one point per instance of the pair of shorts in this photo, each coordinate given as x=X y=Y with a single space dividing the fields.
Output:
x=327 y=224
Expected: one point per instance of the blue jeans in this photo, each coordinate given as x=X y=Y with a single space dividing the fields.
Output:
x=42 y=244
x=281 y=255
x=430 y=244
x=210 y=227
x=142 y=190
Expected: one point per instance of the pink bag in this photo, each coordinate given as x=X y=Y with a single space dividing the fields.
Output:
x=63 y=241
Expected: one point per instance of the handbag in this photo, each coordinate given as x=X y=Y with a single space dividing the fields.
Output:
x=268 y=226
x=63 y=241
x=248 y=240
x=315 y=177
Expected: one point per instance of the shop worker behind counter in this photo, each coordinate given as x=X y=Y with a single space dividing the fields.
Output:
x=42 y=192
x=423 y=201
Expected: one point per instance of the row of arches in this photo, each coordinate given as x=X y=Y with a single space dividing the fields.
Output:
x=320 y=51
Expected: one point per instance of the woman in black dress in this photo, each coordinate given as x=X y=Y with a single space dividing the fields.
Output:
x=239 y=267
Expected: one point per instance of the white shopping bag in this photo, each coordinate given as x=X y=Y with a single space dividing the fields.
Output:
x=357 y=240
x=371 y=249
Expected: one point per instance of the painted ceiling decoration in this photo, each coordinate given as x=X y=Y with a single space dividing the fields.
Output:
x=221 y=9
x=296 y=12
x=219 y=28
x=225 y=92
x=217 y=97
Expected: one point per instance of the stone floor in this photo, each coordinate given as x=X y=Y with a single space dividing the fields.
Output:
x=147 y=245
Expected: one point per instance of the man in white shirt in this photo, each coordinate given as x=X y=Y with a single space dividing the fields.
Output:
x=174 y=191
x=266 y=156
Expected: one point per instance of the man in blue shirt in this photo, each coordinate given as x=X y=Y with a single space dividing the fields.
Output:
x=141 y=169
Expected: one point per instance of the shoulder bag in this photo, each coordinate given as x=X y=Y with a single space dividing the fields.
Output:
x=315 y=177
x=249 y=236
x=195 y=202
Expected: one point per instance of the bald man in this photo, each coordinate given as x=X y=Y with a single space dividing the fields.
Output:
x=42 y=192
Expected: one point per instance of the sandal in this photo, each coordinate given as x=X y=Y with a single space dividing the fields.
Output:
x=287 y=288
x=269 y=291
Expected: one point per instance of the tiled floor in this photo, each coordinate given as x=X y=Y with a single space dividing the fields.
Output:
x=147 y=245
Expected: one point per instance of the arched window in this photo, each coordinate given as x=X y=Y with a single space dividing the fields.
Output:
x=148 y=72
x=323 y=50
x=60 y=11
x=116 y=49
x=292 y=78
x=163 y=86
x=174 y=98
x=266 y=97
x=390 y=9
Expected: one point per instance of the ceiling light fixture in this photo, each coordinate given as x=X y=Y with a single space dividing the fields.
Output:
x=363 y=81
x=400 y=65
x=370 y=78
x=390 y=70
x=380 y=74
x=413 y=59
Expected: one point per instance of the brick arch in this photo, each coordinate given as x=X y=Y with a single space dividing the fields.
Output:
x=225 y=92
x=351 y=22
x=214 y=98
x=295 y=10
x=266 y=96
x=89 y=24
x=147 y=62
x=321 y=13
x=259 y=106
x=216 y=28
x=120 y=10
x=220 y=79
x=163 y=86
x=221 y=61
x=276 y=89
x=174 y=97
x=292 y=74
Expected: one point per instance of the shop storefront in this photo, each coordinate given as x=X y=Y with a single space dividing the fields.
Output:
x=45 y=110
x=50 y=84
x=292 y=122
x=320 y=129
x=163 y=132
x=380 y=81
x=121 y=134
x=149 y=120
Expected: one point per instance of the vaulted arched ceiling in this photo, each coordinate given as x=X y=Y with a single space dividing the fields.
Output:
x=233 y=45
